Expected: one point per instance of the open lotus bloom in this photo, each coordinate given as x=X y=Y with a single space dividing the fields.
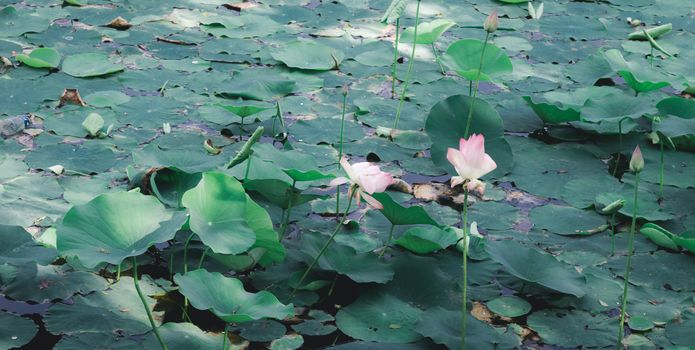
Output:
x=471 y=162
x=364 y=179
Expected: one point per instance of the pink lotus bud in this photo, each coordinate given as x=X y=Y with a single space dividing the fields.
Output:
x=491 y=22
x=470 y=161
x=637 y=161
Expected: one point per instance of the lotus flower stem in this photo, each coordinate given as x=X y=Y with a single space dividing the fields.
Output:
x=202 y=257
x=436 y=58
x=628 y=265
x=477 y=84
x=661 y=168
x=144 y=303
x=185 y=263
x=620 y=142
x=464 y=296
x=286 y=219
x=224 y=339
x=342 y=129
x=326 y=245
x=118 y=273
x=613 y=234
x=388 y=241
x=411 y=61
x=395 y=60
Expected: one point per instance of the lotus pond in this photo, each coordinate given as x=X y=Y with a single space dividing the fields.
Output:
x=347 y=174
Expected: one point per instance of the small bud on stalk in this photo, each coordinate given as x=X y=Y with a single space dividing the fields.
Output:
x=491 y=22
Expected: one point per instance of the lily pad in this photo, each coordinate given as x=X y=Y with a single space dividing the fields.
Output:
x=379 y=317
x=463 y=57
x=509 y=306
x=309 y=55
x=90 y=65
x=16 y=331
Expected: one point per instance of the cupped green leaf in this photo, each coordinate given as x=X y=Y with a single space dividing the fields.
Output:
x=398 y=214
x=394 y=11
x=86 y=65
x=114 y=226
x=616 y=107
x=44 y=57
x=638 y=75
x=425 y=240
x=223 y=216
x=659 y=235
x=227 y=299
x=464 y=56
x=534 y=266
x=427 y=32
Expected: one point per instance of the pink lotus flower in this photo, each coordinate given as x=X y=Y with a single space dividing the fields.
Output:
x=637 y=160
x=365 y=179
x=471 y=162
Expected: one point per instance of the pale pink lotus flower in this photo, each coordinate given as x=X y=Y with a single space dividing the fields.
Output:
x=364 y=179
x=637 y=160
x=471 y=162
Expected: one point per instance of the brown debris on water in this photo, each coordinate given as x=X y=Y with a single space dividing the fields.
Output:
x=71 y=96
x=119 y=23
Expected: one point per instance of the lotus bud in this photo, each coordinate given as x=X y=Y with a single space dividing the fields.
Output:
x=613 y=207
x=637 y=161
x=345 y=89
x=491 y=22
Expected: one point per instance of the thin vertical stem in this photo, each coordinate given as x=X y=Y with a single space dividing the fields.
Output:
x=342 y=128
x=661 y=168
x=410 y=68
x=464 y=297
x=225 y=338
x=470 y=87
x=144 y=303
x=118 y=273
x=612 y=234
x=325 y=246
x=388 y=241
x=620 y=142
x=395 y=60
x=286 y=221
x=436 y=58
x=202 y=257
x=185 y=264
x=628 y=265
x=477 y=85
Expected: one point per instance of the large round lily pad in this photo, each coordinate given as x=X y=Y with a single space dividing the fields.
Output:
x=381 y=318
x=15 y=331
x=464 y=56
x=309 y=55
x=227 y=299
x=86 y=65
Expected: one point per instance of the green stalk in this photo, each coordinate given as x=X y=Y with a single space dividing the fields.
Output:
x=202 y=257
x=340 y=147
x=436 y=58
x=395 y=60
x=628 y=266
x=620 y=141
x=224 y=340
x=612 y=234
x=410 y=68
x=241 y=127
x=325 y=246
x=388 y=241
x=185 y=263
x=144 y=303
x=464 y=297
x=286 y=220
x=661 y=168
x=118 y=273
x=477 y=84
